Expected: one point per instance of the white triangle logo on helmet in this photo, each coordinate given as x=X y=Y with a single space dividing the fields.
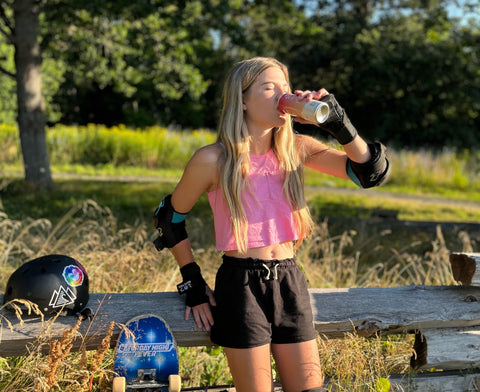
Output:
x=62 y=297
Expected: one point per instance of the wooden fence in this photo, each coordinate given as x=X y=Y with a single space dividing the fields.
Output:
x=444 y=319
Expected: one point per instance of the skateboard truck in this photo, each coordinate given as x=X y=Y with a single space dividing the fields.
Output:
x=146 y=374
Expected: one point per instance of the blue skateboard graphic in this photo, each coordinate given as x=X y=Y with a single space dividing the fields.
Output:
x=146 y=357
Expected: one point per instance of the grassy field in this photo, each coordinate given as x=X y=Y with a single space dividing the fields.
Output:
x=154 y=158
x=102 y=217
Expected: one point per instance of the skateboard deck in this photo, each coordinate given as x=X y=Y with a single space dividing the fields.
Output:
x=146 y=357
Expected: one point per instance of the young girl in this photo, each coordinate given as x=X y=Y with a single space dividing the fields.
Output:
x=253 y=176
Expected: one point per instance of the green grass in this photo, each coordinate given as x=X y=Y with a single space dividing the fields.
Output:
x=130 y=202
x=133 y=200
x=366 y=205
x=157 y=151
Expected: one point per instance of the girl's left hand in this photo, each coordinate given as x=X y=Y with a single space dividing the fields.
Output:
x=308 y=96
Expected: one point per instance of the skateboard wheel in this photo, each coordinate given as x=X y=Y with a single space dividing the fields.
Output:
x=174 y=383
x=118 y=384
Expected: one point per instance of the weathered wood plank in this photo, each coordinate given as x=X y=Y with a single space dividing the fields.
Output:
x=394 y=309
x=336 y=311
x=118 y=308
x=447 y=381
x=436 y=382
x=448 y=348
x=466 y=268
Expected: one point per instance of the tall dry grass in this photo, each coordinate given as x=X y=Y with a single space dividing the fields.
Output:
x=60 y=369
x=122 y=259
x=326 y=261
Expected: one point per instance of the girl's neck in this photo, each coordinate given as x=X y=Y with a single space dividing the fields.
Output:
x=260 y=142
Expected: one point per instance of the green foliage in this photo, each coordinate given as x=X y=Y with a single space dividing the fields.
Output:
x=214 y=370
x=446 y=170
x=8 y=103
x=405 y=78
x=153 y=147
x=10 y=151
x=382 y=385
x=126 y=172
x=133 y=62
x=407 y=72
x=158 y=152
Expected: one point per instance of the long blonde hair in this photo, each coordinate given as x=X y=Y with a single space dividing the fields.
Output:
x=233 y=135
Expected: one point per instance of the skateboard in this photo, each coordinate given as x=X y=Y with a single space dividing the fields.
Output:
x=146 y=357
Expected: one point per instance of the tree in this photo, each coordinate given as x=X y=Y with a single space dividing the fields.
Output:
x=124 y=57
x=128 y=62
x=20 y=27
x=147 y=62
x=407 y=71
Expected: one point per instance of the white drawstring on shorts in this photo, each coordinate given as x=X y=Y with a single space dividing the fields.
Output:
x=269 y=271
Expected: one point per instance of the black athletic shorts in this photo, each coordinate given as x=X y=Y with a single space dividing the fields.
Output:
x=261 y=302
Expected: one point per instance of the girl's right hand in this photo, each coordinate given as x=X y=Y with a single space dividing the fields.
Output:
x=202 y=314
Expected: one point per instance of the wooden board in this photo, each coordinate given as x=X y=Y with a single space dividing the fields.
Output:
x=437 y=381
x=394 y=309
x=448 y=348
x=426 y=382
x=336 y=312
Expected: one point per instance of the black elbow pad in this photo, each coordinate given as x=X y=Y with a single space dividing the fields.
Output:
x=372 y=173
x=170 y=225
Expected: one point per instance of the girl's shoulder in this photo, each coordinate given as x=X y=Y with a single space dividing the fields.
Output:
x=209 y=154
x=202 y=169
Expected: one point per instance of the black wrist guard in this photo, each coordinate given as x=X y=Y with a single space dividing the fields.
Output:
x=374 y=172
x=338 y=124
x=193 y=285
x=170 y=225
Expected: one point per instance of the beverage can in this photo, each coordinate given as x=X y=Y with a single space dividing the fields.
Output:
x=313 y=110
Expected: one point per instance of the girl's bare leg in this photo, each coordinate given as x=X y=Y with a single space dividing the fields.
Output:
x=251 y=368
x=298 y=365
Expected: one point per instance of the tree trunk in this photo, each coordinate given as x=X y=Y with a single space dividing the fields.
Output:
x=31 y=107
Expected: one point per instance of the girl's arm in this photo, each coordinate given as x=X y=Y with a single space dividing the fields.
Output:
x=200 y=175
x=364 y=163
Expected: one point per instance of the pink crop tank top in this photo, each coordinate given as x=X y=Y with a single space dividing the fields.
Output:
x=270 y=218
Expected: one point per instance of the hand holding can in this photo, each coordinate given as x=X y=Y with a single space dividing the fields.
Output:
x=315 y=111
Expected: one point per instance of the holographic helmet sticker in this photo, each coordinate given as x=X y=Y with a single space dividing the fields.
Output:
x=73 y=275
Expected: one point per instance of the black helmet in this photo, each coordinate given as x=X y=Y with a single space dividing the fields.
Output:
x=52 y=282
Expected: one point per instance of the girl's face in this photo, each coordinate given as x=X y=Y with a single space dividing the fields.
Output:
x=261 y=99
